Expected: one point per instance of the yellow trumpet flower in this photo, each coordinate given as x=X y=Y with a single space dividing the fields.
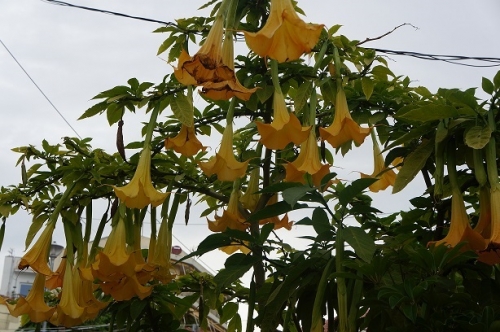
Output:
x=278 y=223
x=180 y=73
x=386 y=177
x=235 y=246
x=226 y=89
x=460 y=229
x=343 y=128
x=224 y=164
x=56 y=279
x=207 y=65
x=231 y=217
x=285 y=36
x=250 y=198
x=33 y=305
x=307 y=162
x=284 y=129
x=69 y=304
x=140 y=192
x=38 y=256
x=185 y=142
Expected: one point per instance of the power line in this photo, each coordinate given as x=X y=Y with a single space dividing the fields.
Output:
x=66 y=4
x=452 y=59
x=39 y=89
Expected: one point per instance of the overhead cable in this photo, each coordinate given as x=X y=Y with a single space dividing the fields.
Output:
x=452 y=59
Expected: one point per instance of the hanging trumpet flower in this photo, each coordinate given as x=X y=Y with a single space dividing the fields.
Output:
x=285 y=36
x=386 y=177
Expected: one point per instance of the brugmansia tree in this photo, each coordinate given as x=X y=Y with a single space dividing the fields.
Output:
x=300 y=95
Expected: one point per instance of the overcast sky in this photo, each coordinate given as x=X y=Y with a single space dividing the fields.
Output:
x=73 y=54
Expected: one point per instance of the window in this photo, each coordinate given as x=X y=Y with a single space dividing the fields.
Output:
x=24 y=289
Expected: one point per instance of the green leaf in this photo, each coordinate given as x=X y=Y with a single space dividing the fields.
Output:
x=477 y=137
x=423 y=91
x=211 y=2
x=302 y=95
x=320 y=221
x=293 y=195
x=265 y=93
x=362 y=243
x=5 y=210
x=376 y=118
x=166 y=44
x=116 y=91
x=34 y=228
x=228 y=312
x=230 y=274
x=328 y=91
x=114 y=113
x=273 y=210
x=414 y=133
x=235 y=324
x=334 y=29
x=413 y=163
x=265 y=231
x=381 y=72
x=496 y=80
x=97 y=108
x=183 y=109
x=32 y=170
x=356 y=188
x=136 y=308
x=367 y=85
x=280 y=186
x=487 y=86
x=211 y=242
x=430 y=112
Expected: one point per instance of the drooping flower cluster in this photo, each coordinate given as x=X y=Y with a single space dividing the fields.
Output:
x=212 y=67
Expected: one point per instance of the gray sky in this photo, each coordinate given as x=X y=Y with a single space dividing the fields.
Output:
x=74 y=54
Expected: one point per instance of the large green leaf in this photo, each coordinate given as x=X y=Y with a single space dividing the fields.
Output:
x=413 y=163
x=367 y=85
x=303 y=94
x=293 y=195
x=356 y=188
x=487 y=86
x=274 y=210
x=211 y=242
x=236 y=266
x=362 y=243
x=228 y=312
x=235 y=324
x=477 y=137
x=430 y=112
x=496 y=80
x=183 y=109
x=320 y=221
